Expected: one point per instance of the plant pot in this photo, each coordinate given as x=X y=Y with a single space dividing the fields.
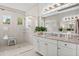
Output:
x=39 y=33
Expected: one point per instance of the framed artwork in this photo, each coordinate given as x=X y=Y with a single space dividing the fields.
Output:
x=6 y=19
x=20 y=21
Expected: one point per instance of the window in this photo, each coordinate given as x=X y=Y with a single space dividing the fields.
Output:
x=6 y=19
x=28 y=22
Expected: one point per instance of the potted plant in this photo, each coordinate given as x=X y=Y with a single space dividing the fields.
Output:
x=70 y=29
x=61 y=29
x=40 y=30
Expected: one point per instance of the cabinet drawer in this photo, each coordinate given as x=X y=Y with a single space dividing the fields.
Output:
x=66 y=44
x=52 y=41
x=42 y=39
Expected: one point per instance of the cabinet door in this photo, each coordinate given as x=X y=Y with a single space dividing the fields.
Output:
x=42 y=47
x=52 y=49
x=62 y=51
x=66 y=49
x=77 y=50
x=35 y=42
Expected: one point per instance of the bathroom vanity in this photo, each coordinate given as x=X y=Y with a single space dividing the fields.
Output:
x=62 y=38
x=50 y=45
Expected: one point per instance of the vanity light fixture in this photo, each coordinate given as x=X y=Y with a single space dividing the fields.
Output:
x=63 y=3
x=58 y=4
x=53 y=6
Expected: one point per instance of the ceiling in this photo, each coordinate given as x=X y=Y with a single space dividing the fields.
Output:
x=21 y=6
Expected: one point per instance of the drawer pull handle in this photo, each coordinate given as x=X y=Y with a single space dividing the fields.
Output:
x=65 y=44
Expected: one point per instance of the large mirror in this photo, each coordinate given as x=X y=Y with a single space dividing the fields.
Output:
x=68 y=24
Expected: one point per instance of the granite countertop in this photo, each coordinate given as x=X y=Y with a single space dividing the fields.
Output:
x=74 y=39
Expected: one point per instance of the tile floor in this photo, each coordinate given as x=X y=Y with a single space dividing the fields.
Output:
x=18 y=50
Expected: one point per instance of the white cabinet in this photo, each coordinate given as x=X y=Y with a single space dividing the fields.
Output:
x=66 y=49
x=47 y=47
x=42 y=46
x=52 y=47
